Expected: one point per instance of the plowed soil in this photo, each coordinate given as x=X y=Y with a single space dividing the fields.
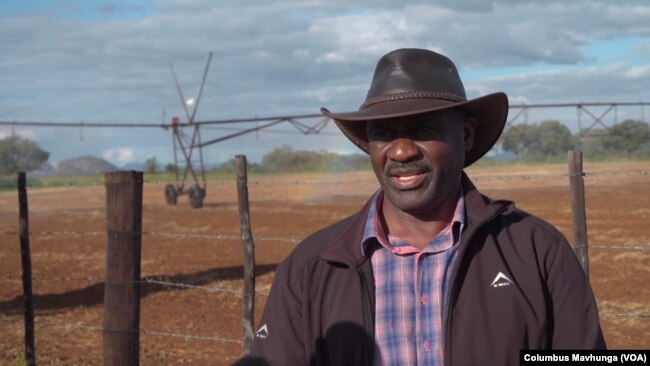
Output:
x=192 y=259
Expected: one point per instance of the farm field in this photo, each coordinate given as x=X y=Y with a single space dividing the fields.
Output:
x=199 y=321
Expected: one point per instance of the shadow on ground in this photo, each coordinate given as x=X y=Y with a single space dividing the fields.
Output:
x=94 y=294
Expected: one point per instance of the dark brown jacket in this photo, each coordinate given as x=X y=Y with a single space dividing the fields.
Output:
x=321 y=307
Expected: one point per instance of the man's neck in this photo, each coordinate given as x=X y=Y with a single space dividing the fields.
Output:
x=418 y=228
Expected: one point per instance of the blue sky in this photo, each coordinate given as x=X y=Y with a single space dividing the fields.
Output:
x=88 y=10
x=108 y=61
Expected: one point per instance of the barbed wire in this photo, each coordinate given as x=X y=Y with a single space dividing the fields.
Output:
x=640 y=172
x=623 y=315
x=154 y=234
x=219 y=236
x=222 y=237
x=613 y=246
x=146 y=280
x=47 y=323
x=190 y=286
x=9 y=278
x=252 y=181
x=261 y=180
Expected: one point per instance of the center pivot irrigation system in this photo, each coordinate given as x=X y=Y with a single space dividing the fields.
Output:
x=188 y=154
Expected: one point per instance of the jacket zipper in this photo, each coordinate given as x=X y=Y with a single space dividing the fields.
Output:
x=468 y=236
x=367 y=315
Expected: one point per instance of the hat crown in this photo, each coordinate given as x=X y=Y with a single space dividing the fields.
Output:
x=415 y=70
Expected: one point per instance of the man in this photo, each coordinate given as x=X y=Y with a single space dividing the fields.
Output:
x=429 y=272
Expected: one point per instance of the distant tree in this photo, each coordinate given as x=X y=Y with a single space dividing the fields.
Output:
x=520 y=139
x=352 y=162
x=18 y=154
x=592 y=143
x=554 y=139
x=151 y=165
x=284 y=159
x=170 y=167
x=229 y=167
x=627 y=136
x=538 y=141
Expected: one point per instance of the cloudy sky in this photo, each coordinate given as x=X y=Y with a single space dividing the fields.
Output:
x=108 y=61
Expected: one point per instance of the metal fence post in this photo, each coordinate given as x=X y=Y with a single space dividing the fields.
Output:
x=122 y=287
x=578 y=209
x=249 y=252
x=23 y=211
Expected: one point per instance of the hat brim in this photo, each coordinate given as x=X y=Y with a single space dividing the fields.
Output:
x=490 y=112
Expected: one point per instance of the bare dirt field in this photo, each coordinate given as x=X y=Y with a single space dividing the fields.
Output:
x=199 y=322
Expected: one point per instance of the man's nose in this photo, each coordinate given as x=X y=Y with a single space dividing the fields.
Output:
x=402 y=149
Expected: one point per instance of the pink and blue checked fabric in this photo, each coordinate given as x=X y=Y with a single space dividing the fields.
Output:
x=411 y=285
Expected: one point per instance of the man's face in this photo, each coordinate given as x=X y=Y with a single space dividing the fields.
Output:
x=418 y=159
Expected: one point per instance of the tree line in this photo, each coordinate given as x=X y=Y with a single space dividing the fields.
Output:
x=551 y=140
x=285 y=159
x=545 y=141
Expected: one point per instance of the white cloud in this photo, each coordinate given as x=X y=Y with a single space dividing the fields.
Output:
x=638 y=72
x=330 y=57
x=119 y=156
x=26 y=133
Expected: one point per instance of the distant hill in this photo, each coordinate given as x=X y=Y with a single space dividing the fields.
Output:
x=85 y=165
x=133 y=166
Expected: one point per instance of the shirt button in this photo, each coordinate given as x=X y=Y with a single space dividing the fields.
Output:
x=427 y=346
x=424 y=299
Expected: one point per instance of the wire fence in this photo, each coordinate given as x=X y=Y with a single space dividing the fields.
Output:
x=287 y=180
x=158 y=280
x=216 y=237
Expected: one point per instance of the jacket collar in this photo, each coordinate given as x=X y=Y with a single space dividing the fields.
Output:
x=346 y=248
x=479 y=208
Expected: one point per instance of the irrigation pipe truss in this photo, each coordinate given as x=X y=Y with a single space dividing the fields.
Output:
x=289 y=118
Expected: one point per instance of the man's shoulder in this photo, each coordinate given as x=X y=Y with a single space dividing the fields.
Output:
x=331 y=232
x=523 y=229
x=312 y=247
x=522 y=220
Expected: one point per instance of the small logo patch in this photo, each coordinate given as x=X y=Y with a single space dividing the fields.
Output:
x=501 y=280
x=263 y=332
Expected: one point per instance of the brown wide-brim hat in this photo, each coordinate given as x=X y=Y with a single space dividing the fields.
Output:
x=414 y=81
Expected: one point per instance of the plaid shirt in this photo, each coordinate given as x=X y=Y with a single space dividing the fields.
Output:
x=411 y=285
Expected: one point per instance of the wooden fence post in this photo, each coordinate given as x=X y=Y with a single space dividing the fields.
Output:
x=23 y=212
x=249 y=252
x=578 y=209
x=122 y=286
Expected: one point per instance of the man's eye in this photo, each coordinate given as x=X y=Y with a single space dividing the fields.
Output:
x=425 y=128
x=381 y=133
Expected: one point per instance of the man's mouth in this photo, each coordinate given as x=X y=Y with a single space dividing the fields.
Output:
x=408 y=180
x=407 y=176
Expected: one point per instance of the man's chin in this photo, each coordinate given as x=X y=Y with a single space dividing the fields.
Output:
x=409 y=201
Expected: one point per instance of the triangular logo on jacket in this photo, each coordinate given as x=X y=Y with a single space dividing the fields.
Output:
x=501 y=280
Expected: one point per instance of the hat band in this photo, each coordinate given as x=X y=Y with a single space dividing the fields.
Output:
x=412 y=95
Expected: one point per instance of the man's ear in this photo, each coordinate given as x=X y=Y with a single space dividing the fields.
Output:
x=469 y=129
